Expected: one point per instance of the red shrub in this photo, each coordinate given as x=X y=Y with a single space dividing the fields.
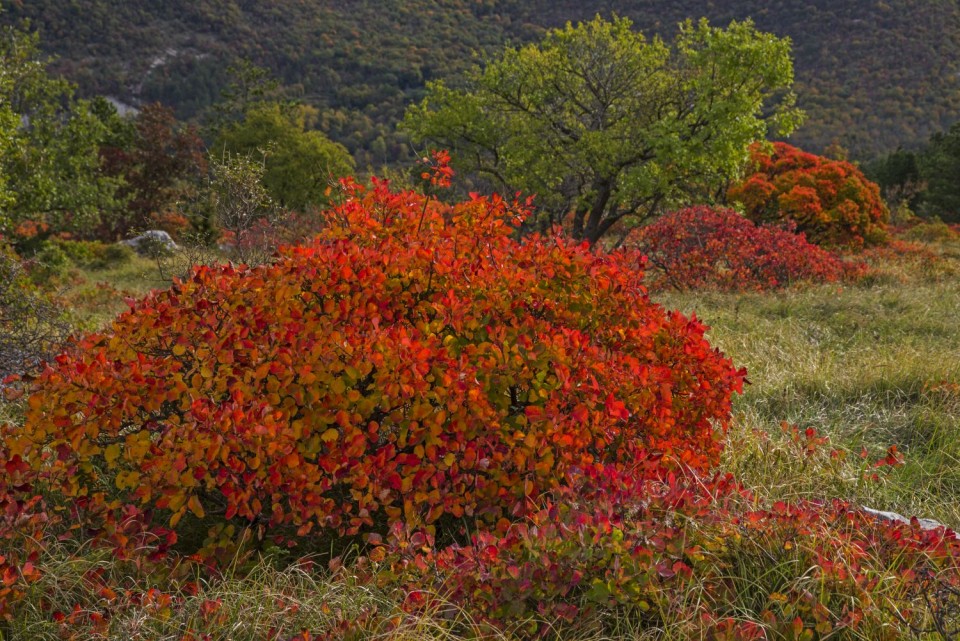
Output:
x=414 y=362
x=831 y=201
x=23 y=521
x=900 y=251
x=171 y=222
x=705 y=247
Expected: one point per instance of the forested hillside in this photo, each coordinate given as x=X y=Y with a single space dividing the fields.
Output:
x=872 y=75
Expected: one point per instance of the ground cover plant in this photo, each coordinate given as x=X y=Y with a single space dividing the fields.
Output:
x=497 y=495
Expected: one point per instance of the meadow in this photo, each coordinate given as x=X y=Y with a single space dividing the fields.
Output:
x=838 y=373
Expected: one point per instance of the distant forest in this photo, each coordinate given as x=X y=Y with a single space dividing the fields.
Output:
x=872 y=76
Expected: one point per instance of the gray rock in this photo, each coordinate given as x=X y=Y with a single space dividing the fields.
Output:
x=149 y=242
x=925 y=524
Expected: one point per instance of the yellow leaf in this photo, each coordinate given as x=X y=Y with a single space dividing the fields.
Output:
x=129 y=479
x=330 y=435
x=111 y=453
x=179 y=350
x=176 y=501
x=137 y=444
x=194 y=506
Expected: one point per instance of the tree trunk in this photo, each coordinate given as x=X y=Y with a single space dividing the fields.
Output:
x=603 y=189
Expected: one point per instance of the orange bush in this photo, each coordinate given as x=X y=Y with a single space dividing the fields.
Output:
x=831 y=201
x=414 y=363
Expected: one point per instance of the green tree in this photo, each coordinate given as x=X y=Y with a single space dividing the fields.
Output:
x=608 y=127
x=8 y=131
x=49 y=152
x=898 y=175
x=248 y=85
x=940 y=170
x=299 y=162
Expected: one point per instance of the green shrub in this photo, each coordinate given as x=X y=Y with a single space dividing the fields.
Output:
x=81 y=252
x=930 y=231
x=115 y=254
x=49 y=264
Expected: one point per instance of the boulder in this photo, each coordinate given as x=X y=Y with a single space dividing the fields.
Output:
x=149 y=242
x=925 y=524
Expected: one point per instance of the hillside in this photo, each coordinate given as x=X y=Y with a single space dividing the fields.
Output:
x=872 y=75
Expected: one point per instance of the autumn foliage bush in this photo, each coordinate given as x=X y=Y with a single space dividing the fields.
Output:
x=831 y=201
x=414 y=363
x=703 y=246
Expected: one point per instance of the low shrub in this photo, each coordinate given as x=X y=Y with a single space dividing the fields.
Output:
x=81 y=252
x=718 y=248
x=92 y=254
x=901 y=261
x=930 y=231
x=114 y=254
x=50 y=264
x=690 y=555
x=32 y=321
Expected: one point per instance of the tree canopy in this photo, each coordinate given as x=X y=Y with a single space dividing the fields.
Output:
x=49 y=145
x=299 y=161
x=939 y=166
x=161 y=163
x=606 y=126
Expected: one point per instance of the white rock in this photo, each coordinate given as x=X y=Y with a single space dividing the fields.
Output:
x=925 y=524
x=153 y=238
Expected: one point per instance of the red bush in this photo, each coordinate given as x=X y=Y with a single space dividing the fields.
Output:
x=705 y=247
x=23 y=521
x=414 y=362
x=831 y=201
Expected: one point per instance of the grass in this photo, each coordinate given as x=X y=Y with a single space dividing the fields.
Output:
x=869 y=366
x=265 y=603
x=95 y=295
